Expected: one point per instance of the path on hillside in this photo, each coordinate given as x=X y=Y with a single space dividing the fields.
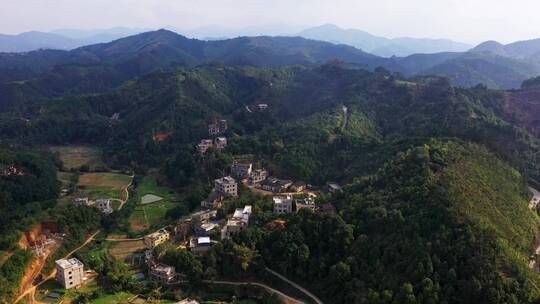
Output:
x=345 y=118
x=302 y=289
x=123 y=202
x=288 y=299
x=535 y=199
x=532 y=205
x=32 y=290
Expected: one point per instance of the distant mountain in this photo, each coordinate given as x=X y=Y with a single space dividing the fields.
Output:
x=30 y=41
x=98 y=35
x=382 y=46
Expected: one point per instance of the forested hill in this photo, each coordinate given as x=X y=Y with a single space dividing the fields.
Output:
x=438 y=223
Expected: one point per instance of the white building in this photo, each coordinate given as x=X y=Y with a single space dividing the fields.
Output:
x=241 y=170
x=238 y=222
x=262 y=107
x=226 y=186
x=304 y=203
x=81 y=201
x=69 y=273
x=220 y=142
x=204 y=145
x=104 y=205
x=282 y=204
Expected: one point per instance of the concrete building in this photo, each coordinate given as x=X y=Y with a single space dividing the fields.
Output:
x=298 y=186
x=226 y=186
x=257 y=176
x=262 y=107
x=214 y=201
x=241 y=170
x=204 y=145
x=276 y=185
x=333 y=187
x=104 y=205
x=217 y=127
x=162 y=273
x=156 y=238
x=238 y=222
x=188 y=301
x=282 y=205
x=220 y=142
x=81 y=201
x=200 y=245
x=69 y=273
x=203 y=216
x=304 y=203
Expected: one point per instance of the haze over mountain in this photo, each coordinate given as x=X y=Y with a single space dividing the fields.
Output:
x=381 y=46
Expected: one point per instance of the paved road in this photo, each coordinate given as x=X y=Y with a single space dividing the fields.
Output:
x=302 y=289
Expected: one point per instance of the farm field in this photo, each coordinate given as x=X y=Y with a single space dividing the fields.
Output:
x=148 y=213
x=120 y=250
x=102 y=185
x=74 y=157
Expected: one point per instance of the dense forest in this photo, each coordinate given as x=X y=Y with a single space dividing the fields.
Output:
x=434 y=208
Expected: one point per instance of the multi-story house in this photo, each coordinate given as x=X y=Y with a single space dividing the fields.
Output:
x=69 y=272
x=282 y=205
x=226 y=186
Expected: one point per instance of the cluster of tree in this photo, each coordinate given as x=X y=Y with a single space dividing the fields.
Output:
x=11 y=273
x=411 y=234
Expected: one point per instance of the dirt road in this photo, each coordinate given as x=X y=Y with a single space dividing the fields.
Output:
x=303 y=290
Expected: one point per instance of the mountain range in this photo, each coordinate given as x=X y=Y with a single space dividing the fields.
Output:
x=381 y=46
x=491 y=64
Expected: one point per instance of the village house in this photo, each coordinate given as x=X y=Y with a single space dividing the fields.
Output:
x=205 y=228
x=161 y=273
x=188 y=301
x=226 y=186
x=304 y=203
x=81 y=201
x=298 y=186
x=241 y=170
x=238 y=222
x=262 y=107
x=156 y=238
x=199 y=245
x=214 y=201
x=217 y=127
x=11 y=171
x=203 y=216
x=104 y=206
x=282 y=205
x=257 y=176
x=220 y=142
x=275 y=185
x=204 y=145
x=69 y=273
x=333 y=187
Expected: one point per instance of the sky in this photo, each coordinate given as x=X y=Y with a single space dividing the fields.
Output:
x=470 y=21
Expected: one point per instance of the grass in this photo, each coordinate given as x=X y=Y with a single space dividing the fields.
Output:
x=102 y=185
x=150 y=198
x=74 y=157
x=145 y=216
x=116 y=298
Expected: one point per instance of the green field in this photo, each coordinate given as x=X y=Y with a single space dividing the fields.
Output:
x=144 y=216
x=119 y=297
x=150 y=198
x=73 y=157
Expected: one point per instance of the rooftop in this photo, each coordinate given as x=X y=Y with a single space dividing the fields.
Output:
x=226 y=180
x=65 y=263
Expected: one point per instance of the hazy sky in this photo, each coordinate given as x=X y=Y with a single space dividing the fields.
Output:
x=465 y=20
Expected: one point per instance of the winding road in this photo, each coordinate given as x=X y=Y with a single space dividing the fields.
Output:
x=303 y=290
x=32 y=290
